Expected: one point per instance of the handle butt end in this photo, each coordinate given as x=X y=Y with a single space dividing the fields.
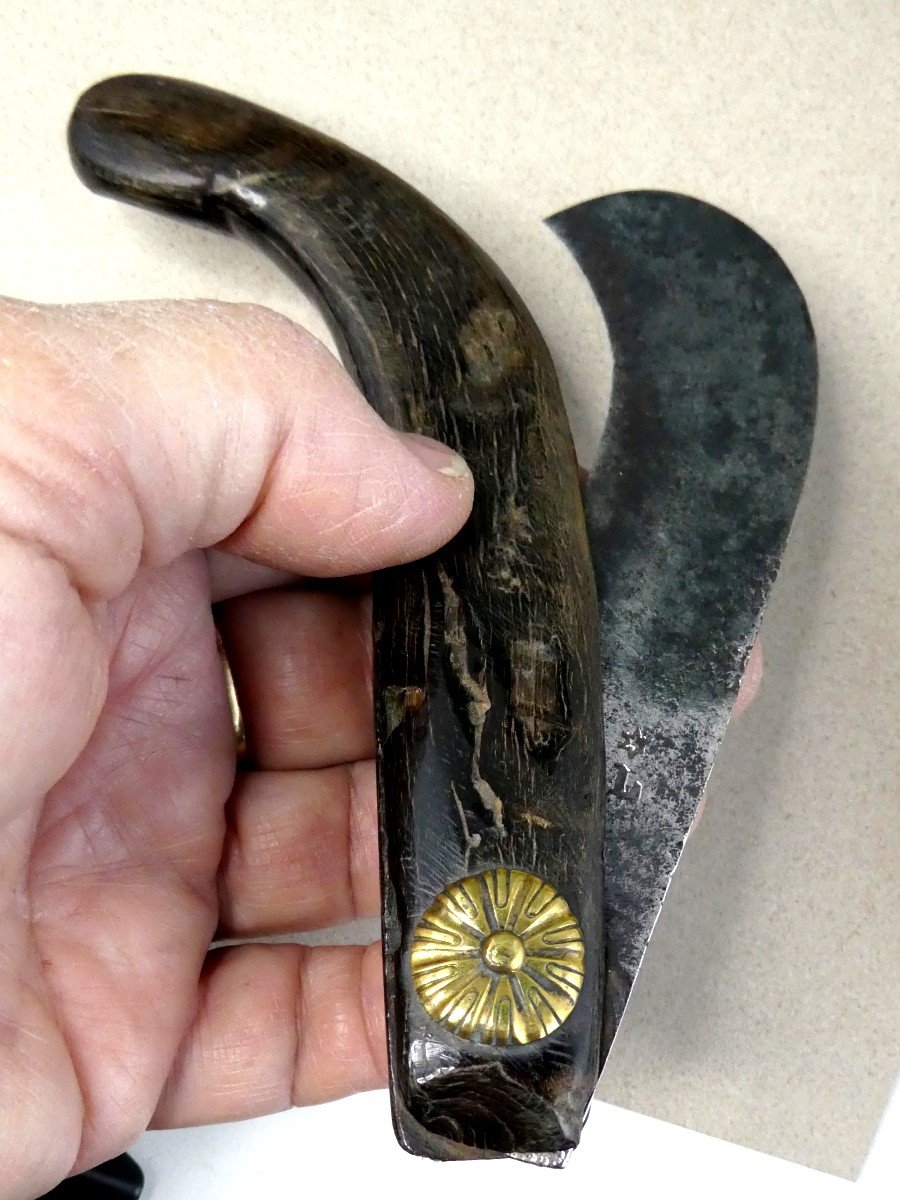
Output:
x=152 y=141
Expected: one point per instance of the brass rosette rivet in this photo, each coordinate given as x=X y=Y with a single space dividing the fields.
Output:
x=498 y=958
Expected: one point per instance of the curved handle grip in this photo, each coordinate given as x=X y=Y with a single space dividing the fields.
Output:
x=488 y=697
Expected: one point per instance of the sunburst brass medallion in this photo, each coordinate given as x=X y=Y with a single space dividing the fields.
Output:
x=498 y=958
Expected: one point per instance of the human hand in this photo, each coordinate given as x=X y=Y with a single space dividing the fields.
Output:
x=134 y=439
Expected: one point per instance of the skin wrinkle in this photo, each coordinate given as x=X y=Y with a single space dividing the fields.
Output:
x=133 y=1123
x=264 y=491
x=51 y=607
x=231 y=845
x=51 y=1000
x=263 y=1020
x=373 y=1028
x=197 y=1019
x=166 y=638
x=364 y=842
x=352 y=802
x=134 y=674
x=300 y=1025
x=60 y=510
x=47 y=472
x=158 y=390
x=45 y=548
x=129 y=870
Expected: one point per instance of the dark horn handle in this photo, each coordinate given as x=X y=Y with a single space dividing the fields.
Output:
x=487 y=664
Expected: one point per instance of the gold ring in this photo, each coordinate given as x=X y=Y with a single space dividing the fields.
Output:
x=237 y=717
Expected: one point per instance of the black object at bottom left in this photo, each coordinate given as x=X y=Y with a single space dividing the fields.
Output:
x=119 y=1179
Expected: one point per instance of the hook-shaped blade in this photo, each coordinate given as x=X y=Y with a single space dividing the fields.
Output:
x=689 y=505
x=487 y=663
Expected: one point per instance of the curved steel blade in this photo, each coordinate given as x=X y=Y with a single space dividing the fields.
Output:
x=689 y=506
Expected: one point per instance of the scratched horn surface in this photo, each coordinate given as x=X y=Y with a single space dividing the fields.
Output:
x=487 y=664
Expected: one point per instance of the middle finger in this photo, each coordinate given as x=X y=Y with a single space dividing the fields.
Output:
x=302 y=668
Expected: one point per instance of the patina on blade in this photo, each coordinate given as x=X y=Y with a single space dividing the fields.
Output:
x=487 y=663
x=689 y=505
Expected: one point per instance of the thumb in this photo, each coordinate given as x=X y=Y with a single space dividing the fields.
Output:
x=135 y=432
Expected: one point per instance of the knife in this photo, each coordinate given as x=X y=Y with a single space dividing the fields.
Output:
x=503 y=991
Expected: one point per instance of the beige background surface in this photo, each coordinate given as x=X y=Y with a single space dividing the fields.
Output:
x=767 y=1011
